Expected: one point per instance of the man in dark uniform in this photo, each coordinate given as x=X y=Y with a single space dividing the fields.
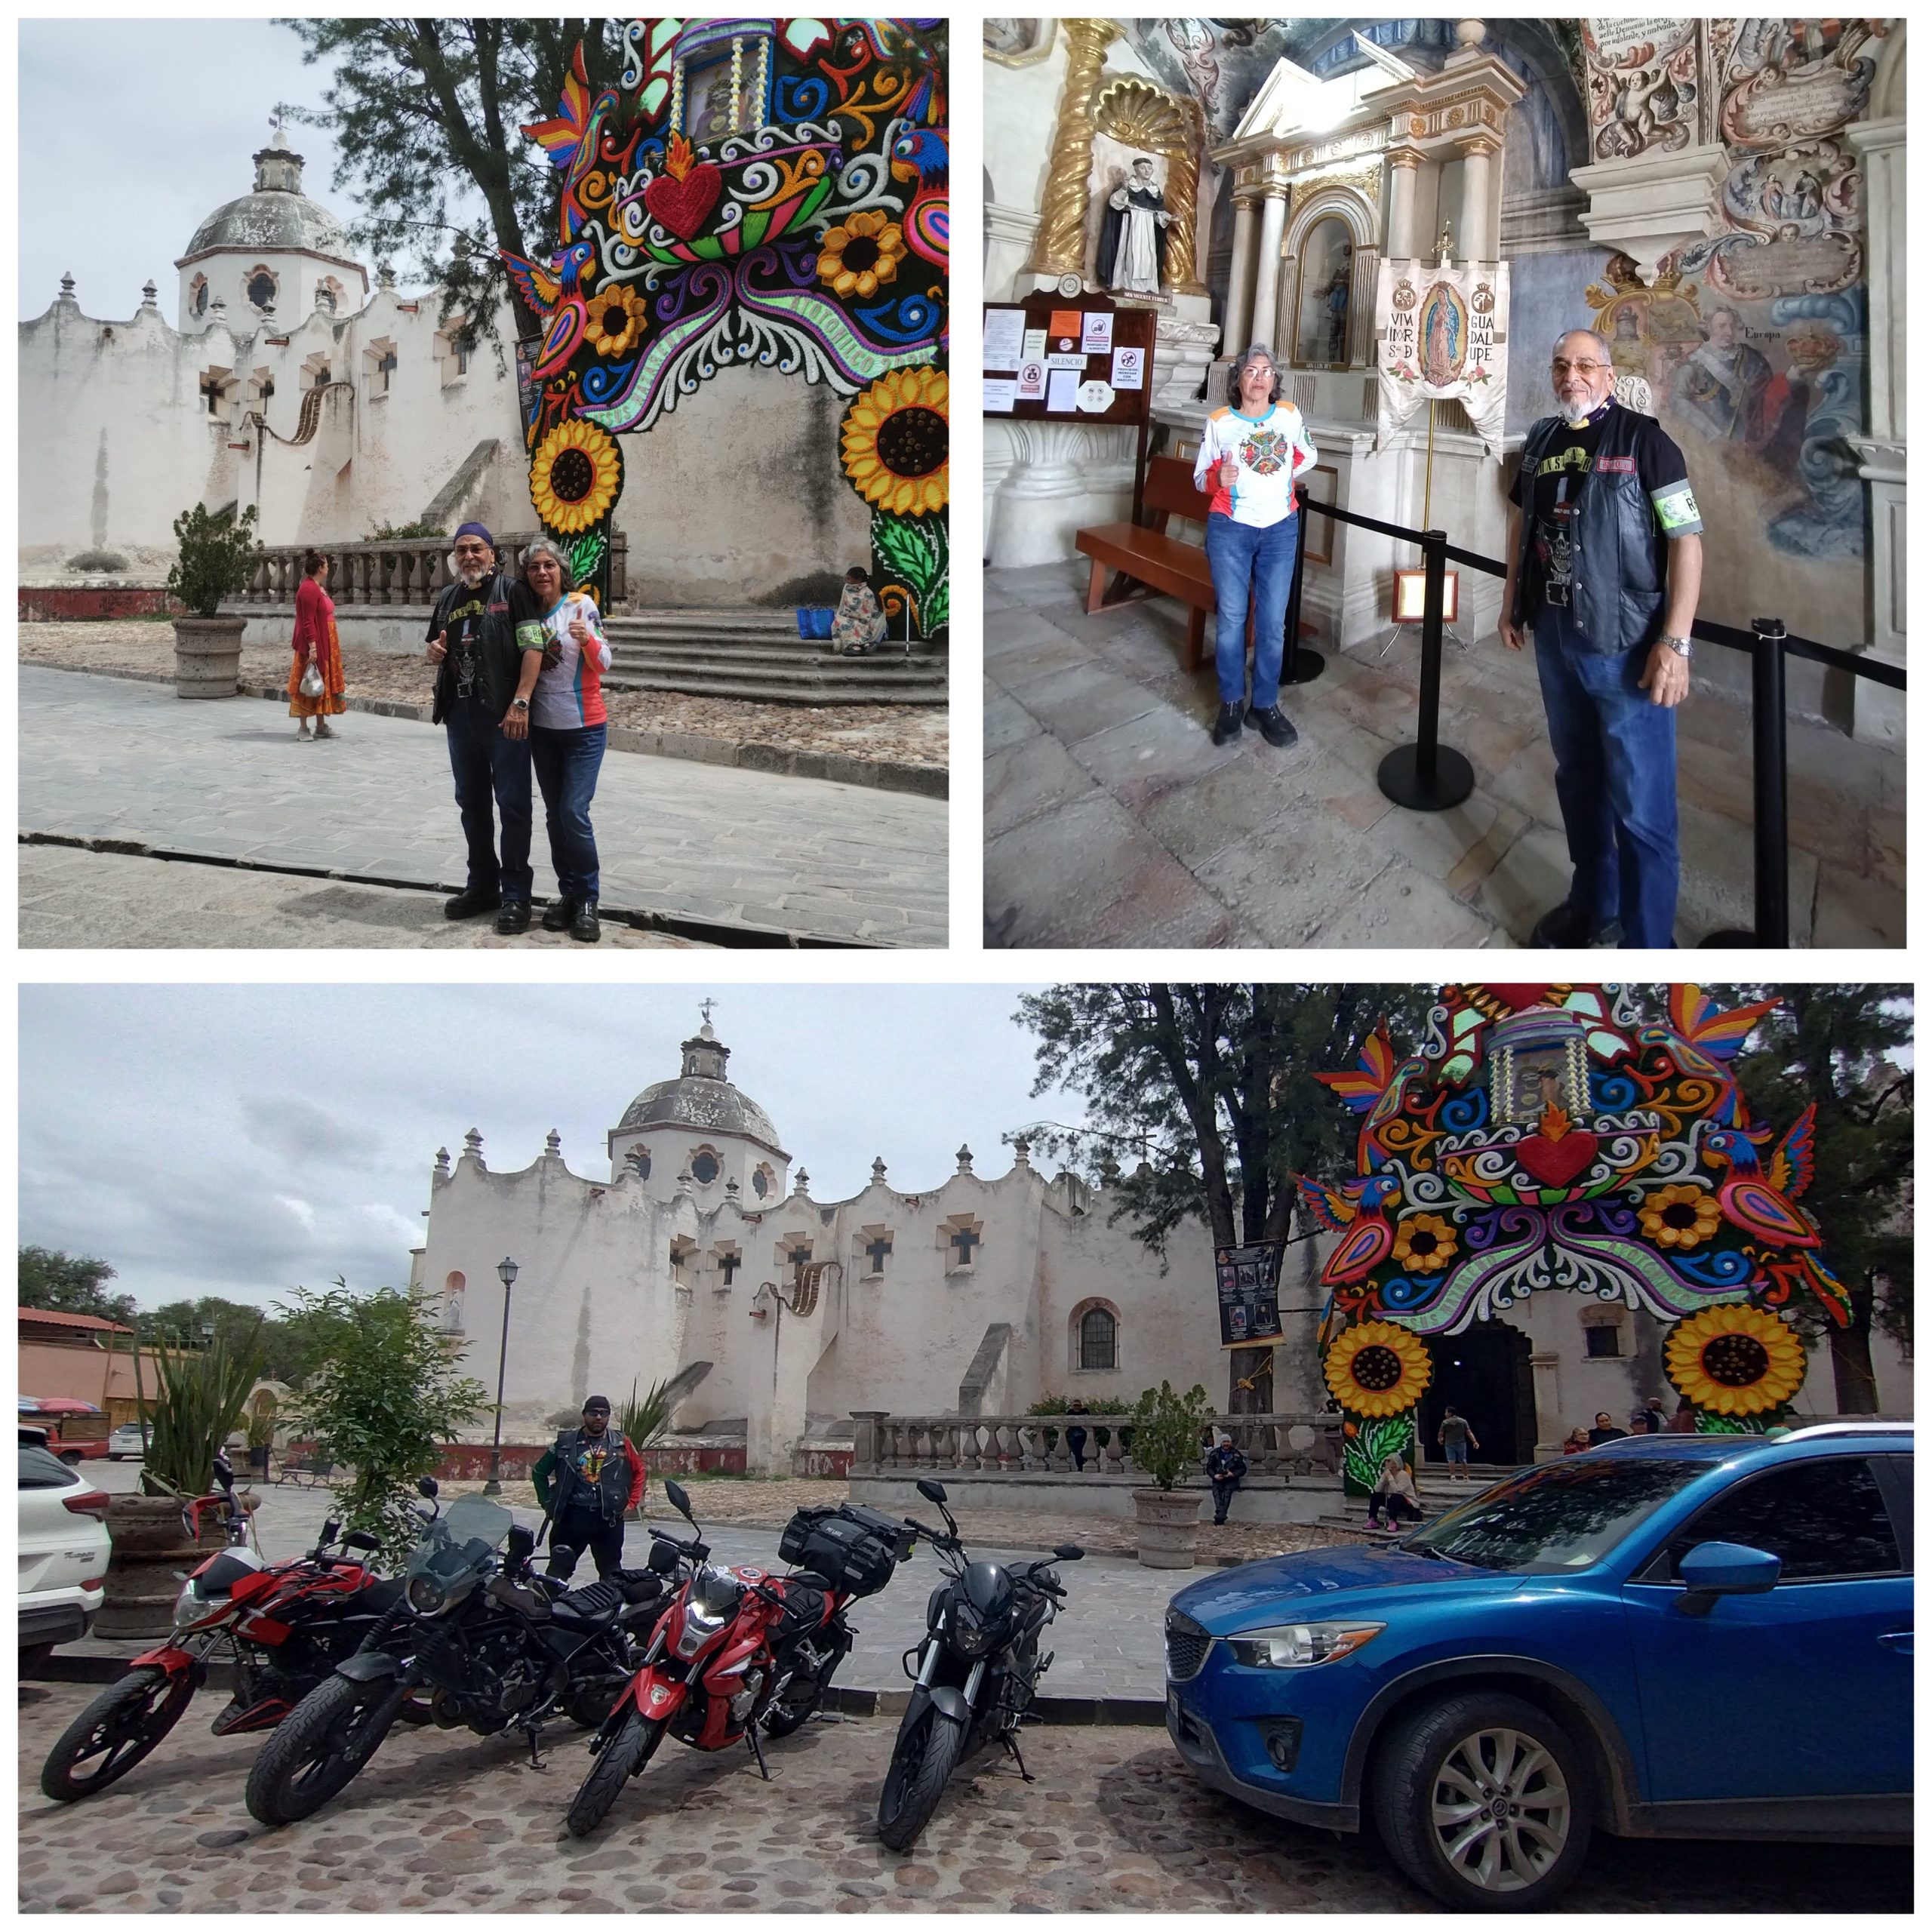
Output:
x=1605 y=561
x=599 y=1481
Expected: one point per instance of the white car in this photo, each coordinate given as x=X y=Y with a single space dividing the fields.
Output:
x=64 y=1547
x=129 y=1439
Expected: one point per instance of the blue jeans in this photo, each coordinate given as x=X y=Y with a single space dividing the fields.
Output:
x=488 y=765
x=567 y=763
x=1240 y=557
x=1615 y=781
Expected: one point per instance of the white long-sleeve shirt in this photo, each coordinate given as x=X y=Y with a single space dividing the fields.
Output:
x=1272 y=451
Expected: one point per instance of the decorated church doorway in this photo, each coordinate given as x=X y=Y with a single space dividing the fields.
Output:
x=1485 y=1373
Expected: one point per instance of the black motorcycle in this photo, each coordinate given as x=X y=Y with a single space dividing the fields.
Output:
x=488 y=1643
x=976 y=1672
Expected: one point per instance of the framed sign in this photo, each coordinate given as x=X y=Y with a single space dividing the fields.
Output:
x=1247 y=1285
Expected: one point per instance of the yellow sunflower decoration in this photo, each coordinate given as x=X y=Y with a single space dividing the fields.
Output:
x=1681 y=1216
x=894 y=444
x=863 y=250
x=575 y=476
x=1734 y=1360
x=1377 y=1369
x=1425 y=1242
x=618 y=316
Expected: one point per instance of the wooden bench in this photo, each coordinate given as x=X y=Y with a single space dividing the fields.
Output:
x=1147 y=562
x=305 y=1472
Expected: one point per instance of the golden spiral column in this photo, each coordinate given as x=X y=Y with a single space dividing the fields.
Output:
x=1183 y=194
x=1059 y=247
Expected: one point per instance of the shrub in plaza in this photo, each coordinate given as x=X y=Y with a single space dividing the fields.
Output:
x=1165 y=1439
x=199 y=1400
x=218 y=553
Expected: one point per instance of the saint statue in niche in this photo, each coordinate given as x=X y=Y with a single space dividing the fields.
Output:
x=1131 y=238
x=1335 y=302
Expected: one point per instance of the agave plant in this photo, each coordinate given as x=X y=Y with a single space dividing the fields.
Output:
x=200 y=1397
x=644 y=1418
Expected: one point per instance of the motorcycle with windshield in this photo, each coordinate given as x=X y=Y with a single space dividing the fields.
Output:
x=976 y=1673
x=741 y=1651
x=487 y=1642
x=281 y=1627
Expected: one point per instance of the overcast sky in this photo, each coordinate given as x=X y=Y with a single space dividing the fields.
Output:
x=236 y=1140
x=132 y=132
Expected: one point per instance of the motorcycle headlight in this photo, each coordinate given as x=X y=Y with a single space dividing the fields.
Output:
x=968 y=1636
x=1296 y=1646
x=190 y=1606
x=425 y=1595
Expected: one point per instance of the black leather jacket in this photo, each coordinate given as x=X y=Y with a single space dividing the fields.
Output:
x=501 y=664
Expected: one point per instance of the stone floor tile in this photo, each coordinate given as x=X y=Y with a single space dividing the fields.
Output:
x=1045 y=651
x=1291 y=878
x=1082 y=700
x=1150 y=754
x=1529 y=879
x=1035 y=775
x=1459 y=847
x=1854 y=912
x=1006 y=722
x=1718 y=890
x=1194 y=821
x=1404 y=907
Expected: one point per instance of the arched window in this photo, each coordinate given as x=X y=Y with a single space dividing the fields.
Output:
x=262 y=287
x=198 y=295
x=705 y=1168
x=1099 y=1340
x=639 y=1160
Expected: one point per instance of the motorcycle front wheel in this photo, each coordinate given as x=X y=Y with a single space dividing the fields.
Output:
x=320 y=1746
x=634 y=1746
x=114 y=1733
x=922 y=1761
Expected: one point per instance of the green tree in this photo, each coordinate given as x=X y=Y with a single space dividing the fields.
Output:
x=422 y=110
x=218 y=553
x=381 y=1399
x=1216 y=1082
x=284 y=1354
x=71 y=1284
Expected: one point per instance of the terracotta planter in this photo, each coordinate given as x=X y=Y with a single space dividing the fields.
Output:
x=150 y=1547
x=1168 y=1521
x=207 y=656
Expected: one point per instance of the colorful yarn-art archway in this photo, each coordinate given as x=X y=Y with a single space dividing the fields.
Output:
x=1546 y=1138
x=754 y=193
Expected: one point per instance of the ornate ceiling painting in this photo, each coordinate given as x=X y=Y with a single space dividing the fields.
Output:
x=758 y=193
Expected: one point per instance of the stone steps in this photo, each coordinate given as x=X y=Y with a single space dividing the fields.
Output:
x=758 y=654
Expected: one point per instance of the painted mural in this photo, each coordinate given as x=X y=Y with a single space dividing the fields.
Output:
x=760 y=193
x=1547 y=1138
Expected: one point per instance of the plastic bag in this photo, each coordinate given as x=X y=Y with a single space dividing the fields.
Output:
x=311 y=685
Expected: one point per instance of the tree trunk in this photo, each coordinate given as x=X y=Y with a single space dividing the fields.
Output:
x=1255 y=1366
x=1853 y=1383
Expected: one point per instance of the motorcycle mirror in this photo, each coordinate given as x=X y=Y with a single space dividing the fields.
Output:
x=362 y=1539
x=520 y=1542
x=933 y=1492
x=1068 y=1552
x=427 y=1486
x=674 y=1494
x=663 y=1559
x=330 y=1530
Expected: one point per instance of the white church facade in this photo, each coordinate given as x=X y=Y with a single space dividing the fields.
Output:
x=700 y=1251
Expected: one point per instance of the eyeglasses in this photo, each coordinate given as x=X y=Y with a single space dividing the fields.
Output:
x=472 y=549
x=1577 y=368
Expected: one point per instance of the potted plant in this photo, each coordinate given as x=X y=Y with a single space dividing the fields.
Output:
x=218 y=553
x=1166 y=1438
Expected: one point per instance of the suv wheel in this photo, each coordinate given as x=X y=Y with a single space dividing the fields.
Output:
x=1484 y=1802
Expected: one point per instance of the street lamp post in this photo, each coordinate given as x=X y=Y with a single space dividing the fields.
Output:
x=505 y=1274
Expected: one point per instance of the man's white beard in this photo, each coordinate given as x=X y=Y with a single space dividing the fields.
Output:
x=472 y=574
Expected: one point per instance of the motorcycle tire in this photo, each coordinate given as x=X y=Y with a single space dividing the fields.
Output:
x=319 y=1748
x=634 y=1746
x=924 y=1758
x=119 y=1727
x=801 y=1702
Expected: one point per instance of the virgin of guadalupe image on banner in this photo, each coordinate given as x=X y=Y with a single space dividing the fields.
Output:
x=1443 y=334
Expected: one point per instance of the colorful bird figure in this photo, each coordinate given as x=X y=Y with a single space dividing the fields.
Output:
x=1355 y=1212
x=1758 y=1199
x=571 y=138
x=1702 y=1038
x=556 y=295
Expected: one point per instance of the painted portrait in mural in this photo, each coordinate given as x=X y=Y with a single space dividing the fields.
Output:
x=1721 y=387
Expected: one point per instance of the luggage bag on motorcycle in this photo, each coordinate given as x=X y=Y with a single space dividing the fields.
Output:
x=854 y=1548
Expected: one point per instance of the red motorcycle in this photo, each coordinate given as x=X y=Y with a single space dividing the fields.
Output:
x=740 y=1651
x=285 y=1626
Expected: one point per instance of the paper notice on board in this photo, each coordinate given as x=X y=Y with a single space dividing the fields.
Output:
x=1095 y=398
x=1097 y=333
x=1035 y=348
x=1062 y=386
x=1000 y=346
x=1064 y=323
x=997 y=394
x=1033 y=381
x=1129 y=368
x=1067 y=362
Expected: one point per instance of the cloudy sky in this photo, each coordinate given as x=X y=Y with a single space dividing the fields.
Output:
x=149 y=123
x=236 y=1140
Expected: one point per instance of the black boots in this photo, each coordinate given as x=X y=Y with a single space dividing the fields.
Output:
x=583 y=922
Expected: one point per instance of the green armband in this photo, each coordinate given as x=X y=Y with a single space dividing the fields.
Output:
x=531 y=637
x=1677 y=509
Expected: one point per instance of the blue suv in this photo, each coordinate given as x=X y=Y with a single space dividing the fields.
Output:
x=1671 y=1636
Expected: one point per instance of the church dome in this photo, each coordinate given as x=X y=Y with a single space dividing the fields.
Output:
x=277 y=217
x=701 y=1097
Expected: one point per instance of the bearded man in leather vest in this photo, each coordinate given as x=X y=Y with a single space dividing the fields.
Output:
x=1606 y=558
x=588 y=1481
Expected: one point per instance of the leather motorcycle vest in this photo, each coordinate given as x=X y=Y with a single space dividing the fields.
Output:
x=1617 y=583
x=612 y=1489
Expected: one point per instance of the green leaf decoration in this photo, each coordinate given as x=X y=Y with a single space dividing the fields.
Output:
x=913 y=551
x=1715 y=1425
x=1362 y=1453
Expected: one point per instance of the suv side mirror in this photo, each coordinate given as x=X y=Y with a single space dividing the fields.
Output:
x=1714 y=1570
x=933 y=1492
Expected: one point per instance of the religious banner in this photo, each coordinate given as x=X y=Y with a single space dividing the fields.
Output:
x=1247 y=1280
x=1443 y=335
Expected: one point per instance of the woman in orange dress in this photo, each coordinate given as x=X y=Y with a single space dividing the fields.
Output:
x=316 y=643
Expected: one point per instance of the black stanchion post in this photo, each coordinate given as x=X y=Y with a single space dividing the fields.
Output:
x=1769 y=795
x=1299 y=666
x=1426 y=775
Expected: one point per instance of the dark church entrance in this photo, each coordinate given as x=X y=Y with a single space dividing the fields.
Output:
x=1485 y=1372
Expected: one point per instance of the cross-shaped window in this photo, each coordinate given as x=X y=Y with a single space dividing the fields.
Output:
x=211 y=388
x=385 y=365
x=799 y=1256
x=728 y=1264
x=878 y=1250
x=965 y=1240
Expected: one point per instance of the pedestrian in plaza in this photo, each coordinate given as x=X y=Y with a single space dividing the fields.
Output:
x=1455 y=1439
x=1250 y=454
x=1605 y=561
x=567 y=726
x=1684 y=1422
x=317 y=651
x=1655 y=1420
x=1076 y=1436
x=599 y=1480
x=1606 y=1431
x=1227 y=1465
x=487 y=640
x=1394 y=1493
x=858 y=626
x=1577 y=1441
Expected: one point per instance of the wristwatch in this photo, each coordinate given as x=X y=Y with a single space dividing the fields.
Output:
x=1682 y=645
x=523 y=703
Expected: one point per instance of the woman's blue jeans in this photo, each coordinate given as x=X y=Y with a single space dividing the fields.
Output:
x=1246 y=560
x=567 y=764
x=1615 y=781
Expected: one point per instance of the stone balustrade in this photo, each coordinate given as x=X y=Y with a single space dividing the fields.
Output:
x=412 y=571
x=886 y=1445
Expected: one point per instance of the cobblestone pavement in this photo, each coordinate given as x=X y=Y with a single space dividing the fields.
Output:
x=446 y=1822
x=913 y=734
x=74 y=898
x=105 y=759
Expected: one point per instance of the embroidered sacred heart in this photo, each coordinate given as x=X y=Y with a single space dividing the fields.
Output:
x=1556 y=1163
x=682 y=205
x=1516 y=998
